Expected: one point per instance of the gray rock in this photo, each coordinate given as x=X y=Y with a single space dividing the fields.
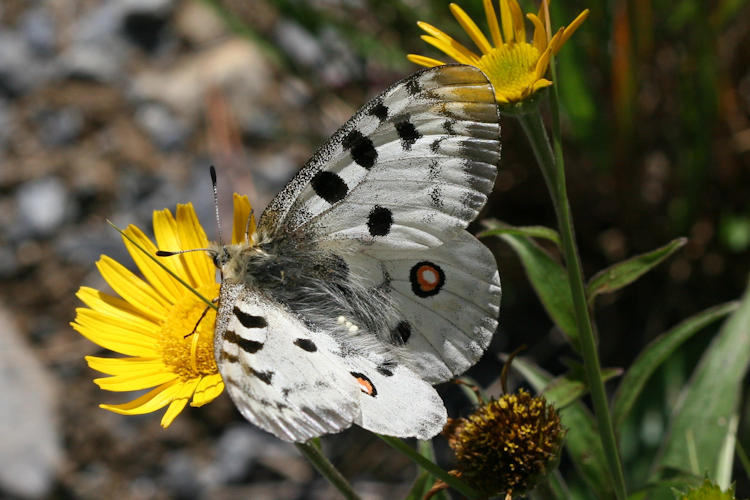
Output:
x=20 y=72
x=6 y=123
x=60 y=127
x=42 y=206
x=97 y=51
x=31 y=452
x=166 y=130
x=38 y=29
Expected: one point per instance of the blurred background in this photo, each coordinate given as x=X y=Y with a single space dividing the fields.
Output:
x=111 y=109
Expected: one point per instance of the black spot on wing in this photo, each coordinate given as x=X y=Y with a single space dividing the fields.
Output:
x=379 y=221
x=248 y=320
x=408 y=133
x=329 y=186
x=306 y=345
x=230 y=358
x=413 y=87
x=448 y=126
x=436 y=197
x=400 y=335
x=264 y=377
x=362 y=149
x=249 y=346
x=434 y=170
x=379 y=110
x=386 y=368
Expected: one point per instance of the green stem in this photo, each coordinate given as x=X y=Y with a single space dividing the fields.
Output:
x=430 y=467
x=553 y=169
x=326 y=468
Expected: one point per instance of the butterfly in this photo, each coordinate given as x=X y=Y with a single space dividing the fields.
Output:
x=361 y=287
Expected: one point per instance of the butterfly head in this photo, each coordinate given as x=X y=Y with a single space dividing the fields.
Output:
x=234 y=261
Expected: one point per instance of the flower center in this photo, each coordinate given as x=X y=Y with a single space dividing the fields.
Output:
x=190 y=355
x=511 y=69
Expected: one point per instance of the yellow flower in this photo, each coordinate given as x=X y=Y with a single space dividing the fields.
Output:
x=154 y=321
x=515 y=67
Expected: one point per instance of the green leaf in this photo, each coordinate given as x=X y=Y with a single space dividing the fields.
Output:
x=550 y=282
x=571 y=387
x=625 y=272
x=497 y=228
x=583 y=444
x=424 y=480
x=654 y=355
x=710 y=399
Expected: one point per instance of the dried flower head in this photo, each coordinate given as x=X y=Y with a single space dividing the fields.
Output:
x=507 y=444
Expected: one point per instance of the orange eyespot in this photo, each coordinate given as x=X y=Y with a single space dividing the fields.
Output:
x=426 y=279
x=365 y=384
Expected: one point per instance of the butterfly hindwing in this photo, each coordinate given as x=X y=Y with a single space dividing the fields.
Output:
x=447 y=299
x=278 y=376
x=298 y=383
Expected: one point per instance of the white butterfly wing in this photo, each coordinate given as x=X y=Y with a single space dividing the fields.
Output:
x=298 y=384
x=447 y=299
x=391 y=193
x=418 y=159
x=278 y=376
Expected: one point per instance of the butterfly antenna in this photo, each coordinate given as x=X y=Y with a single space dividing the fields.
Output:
x=216 y=202
x=166 y=253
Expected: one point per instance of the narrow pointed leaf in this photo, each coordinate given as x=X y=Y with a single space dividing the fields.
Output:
x=583 y=445
x=496 y=228
x=654 y=355
x=550 y=282
x=571 y=387
x=625 y=272
x=710 y=399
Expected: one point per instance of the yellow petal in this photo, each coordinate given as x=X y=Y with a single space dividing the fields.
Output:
x=207 y=390
x=151 y=401
x=543 y=62
x=507 y=21
x=112 y=337
x=432 y=30
x=572 y=28
x=191 y=234
x=117 y=308
x=424 y=61
x=471 y=28
x=134 y=382
x=121 y=366
x=131 y=288
x=160 y=280
x=165 y=231
x=242 y=213
x=544 y=18
x=179 y=401
x=540 y=84
x=453 y=49
x=540 y=34
x=518 y=26
x=489 y=11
